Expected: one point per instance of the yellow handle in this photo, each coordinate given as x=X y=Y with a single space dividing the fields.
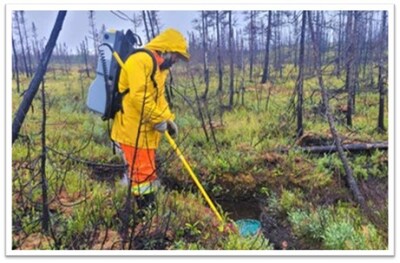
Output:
x=194 y=177
x=119 y=60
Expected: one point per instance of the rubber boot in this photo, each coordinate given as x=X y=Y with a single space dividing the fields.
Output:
x=143 y=202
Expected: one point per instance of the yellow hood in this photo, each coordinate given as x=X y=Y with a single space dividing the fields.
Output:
x=170 y=40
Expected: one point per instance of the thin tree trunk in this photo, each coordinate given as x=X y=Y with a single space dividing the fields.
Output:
x=349 y=172
x=381 y=116
x=299 y=82
x=22 y=44
x=28 y=50
x=203 y=123
x=149 y=17
x=38 y=77
x=45 y=205
x=349 y=68
x=205 y=54
x=145 y=26
x=251 y=44
x=265 y=75
x=356 y=62
x=16 y=65
x=94 y=34
x=219 y=59
x=231 y=68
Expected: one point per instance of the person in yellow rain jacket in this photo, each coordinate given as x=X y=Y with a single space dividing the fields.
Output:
x=145 y=112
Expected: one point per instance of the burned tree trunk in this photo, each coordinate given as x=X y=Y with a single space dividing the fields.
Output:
x=219 y=59
x=38 y=77
x=16 y=70
x=265 y=75
x=94 y=34
x=205 y=53
x=145 y=26
x=251 y=43
x=357 y=147
x=299 y=82
x=21 y=40
x=349 y=172
x=45 y=205
x=28 y=49
x=151 y=23
x=231 y=68
x=349 y=68
x=381 y=116
x=339 y=47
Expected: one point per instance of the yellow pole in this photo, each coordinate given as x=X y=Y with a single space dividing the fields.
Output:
x=119 y=60
x=194 y=177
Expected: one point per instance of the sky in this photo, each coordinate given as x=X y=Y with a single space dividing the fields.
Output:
x=76 y=23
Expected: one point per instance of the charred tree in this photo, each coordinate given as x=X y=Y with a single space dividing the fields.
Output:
x=356 y=57
x=349 y=68
x=219 y=58
x=252 y=34
x=151 y=23
x=45 y=205
x=206 y=69
x=349 y=172
x=339 y=46
x=94 y=34
x=21 y=43
x=36 y=48
x=28 y=48
x=84 y=50
x=16 y=70
x=155 y=21
x=38 y=77
x=145 y=25
x=381 y=116
x=231 y=65
x=300 y=77
x=265 y=75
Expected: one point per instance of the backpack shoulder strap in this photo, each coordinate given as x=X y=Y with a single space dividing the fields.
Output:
x=153 y=72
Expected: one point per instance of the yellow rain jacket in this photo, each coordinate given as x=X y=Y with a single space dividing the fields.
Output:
x=145 y=105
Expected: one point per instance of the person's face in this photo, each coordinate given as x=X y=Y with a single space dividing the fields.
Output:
x=174 y=57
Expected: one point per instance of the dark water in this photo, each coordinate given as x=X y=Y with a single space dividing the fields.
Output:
x=243 y=209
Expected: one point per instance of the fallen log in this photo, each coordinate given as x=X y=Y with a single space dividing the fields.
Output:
x=356 y=147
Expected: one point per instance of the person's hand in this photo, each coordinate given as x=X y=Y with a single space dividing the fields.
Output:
x=167 y=125
x=161 y=127
x=172 y=128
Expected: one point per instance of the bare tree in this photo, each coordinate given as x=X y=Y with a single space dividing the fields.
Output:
x=299 y=82
x=339 y=46
x=219 y=58
x=252 y=36
x=381 y=125
x=349 y=67
x=38 y=77
x=265 y=75
x=145 y=25
x=28 y=48
x=45 y=205
x=338 y=143
x=231 y=57
x=84 y=51
x=16 y=70
x=35 y=45
x=204 y=31
x=94 y=34
x=150 y=19
x=21 y=42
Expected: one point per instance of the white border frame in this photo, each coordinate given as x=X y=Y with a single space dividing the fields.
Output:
x=184 y=6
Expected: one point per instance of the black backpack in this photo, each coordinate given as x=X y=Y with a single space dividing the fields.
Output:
x=104 y=96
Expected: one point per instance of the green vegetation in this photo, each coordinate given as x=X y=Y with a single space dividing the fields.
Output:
x=306 y=192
